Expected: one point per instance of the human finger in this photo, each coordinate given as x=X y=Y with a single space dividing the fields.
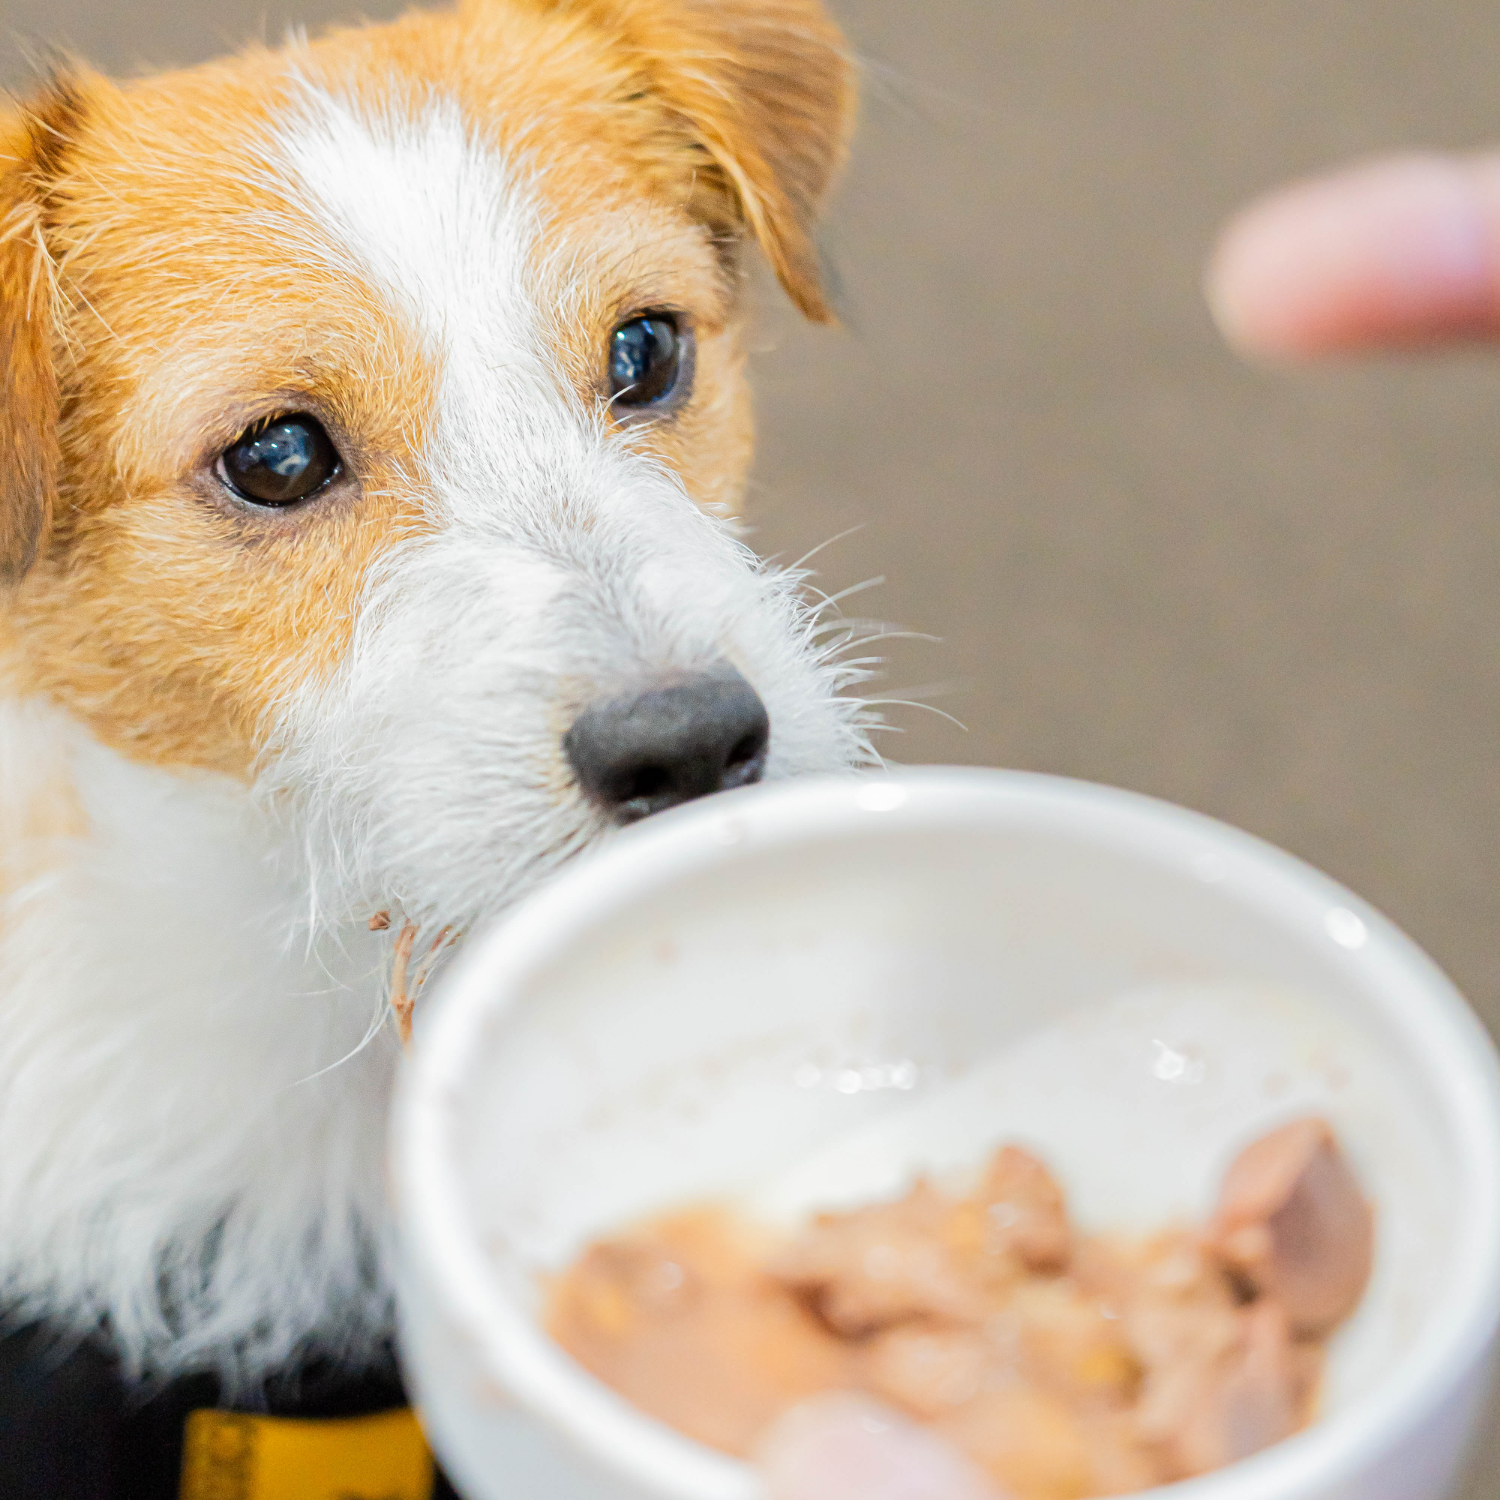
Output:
x=1394 y=254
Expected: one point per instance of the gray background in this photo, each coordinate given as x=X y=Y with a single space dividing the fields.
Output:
x=1267 y=596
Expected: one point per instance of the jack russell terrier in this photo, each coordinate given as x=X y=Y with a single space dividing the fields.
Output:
x=374 y=420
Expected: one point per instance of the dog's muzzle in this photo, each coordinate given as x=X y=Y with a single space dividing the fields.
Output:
x=641 y=753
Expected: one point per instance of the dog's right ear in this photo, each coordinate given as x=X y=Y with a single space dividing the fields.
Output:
x=33 y=137
x=765 y=88
x=758 y=102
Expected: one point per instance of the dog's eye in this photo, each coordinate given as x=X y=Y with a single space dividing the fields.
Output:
x=645 y=360
x=280 y=462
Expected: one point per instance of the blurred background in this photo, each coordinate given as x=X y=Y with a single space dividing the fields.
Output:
x=1269 y=596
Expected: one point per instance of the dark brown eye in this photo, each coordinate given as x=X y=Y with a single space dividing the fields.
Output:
x=280 y=462
x=645 y=360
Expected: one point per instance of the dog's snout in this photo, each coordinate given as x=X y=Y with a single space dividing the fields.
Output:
x=648 y=751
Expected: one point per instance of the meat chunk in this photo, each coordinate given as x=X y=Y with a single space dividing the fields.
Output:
x=1179 y=1316
x=1065 y=1339
x=1255 y=1394
x=881 y=1265
x=1031 y=1442
x=1019 y=1210
x=927 y=1256
x=1221 y=1378
x=928 y=1370
x=684 y=1320
x=1293 y=1225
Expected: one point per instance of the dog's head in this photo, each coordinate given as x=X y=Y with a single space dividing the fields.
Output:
x=375 y=414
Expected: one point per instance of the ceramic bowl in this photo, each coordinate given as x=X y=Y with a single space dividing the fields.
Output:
x=730 y=990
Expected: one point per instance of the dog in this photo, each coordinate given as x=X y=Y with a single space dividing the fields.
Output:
x=375 y=421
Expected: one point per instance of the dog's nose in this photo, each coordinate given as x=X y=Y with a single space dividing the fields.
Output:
x=648 y=751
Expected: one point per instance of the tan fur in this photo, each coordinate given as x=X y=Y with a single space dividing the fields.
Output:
x=164 y=619
x=762 y=90
x=159 y=616
x=30 y=143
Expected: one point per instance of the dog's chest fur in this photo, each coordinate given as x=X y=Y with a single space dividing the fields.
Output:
x=181 y=1067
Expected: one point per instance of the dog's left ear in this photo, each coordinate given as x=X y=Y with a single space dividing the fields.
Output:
x=765 y=92
x=31 y=139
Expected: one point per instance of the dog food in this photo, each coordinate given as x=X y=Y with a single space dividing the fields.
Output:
x=1066 y=1365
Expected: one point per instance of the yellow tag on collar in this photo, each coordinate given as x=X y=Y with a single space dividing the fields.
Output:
x=228 y=1455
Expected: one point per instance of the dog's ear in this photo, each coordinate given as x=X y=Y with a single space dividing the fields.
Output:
x=32 y=137
x=765 y=91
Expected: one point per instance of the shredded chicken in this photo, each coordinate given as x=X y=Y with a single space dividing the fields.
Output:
x=1066 y=1365
x=406 y=984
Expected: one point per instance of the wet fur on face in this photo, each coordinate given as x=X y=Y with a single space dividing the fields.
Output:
x=230 y=734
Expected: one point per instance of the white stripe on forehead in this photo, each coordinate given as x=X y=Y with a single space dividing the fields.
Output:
x=425 y=211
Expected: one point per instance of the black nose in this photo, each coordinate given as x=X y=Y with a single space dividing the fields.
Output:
x=639 y=754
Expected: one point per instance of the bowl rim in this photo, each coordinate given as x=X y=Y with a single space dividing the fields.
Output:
x=438 y=1242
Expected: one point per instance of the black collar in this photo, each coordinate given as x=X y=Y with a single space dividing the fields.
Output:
x=73 y=1428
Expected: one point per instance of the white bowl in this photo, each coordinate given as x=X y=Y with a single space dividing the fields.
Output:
x=733 y=986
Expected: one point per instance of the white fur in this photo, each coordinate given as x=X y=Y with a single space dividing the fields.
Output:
x=191 y=1104
x=414 y=206
x=178 y=1065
